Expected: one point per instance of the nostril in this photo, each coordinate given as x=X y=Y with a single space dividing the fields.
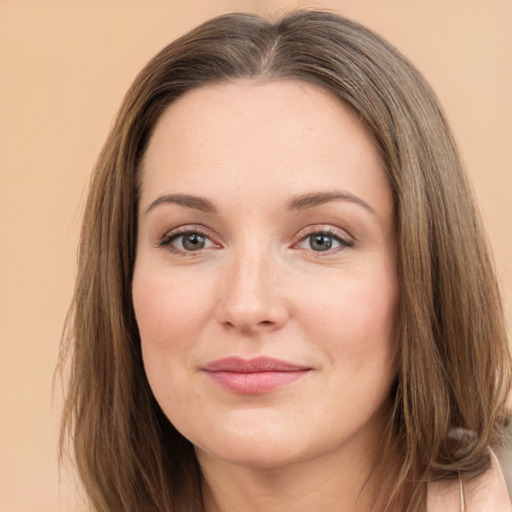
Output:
x=250 y=312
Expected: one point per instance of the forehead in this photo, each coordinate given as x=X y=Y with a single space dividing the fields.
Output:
x=247 y=135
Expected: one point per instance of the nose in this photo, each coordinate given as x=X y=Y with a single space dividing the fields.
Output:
x=253 y=296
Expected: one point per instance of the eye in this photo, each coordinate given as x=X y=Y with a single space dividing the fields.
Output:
x=322 y=241
x=186 y=241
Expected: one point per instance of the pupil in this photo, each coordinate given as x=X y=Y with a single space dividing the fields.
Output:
x=321 y=242
x=193 y=242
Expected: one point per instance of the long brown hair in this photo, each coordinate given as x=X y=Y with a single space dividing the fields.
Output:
x=454 y=368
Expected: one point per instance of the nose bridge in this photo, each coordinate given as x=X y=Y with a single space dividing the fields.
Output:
x=251 y=300
x=250 y=270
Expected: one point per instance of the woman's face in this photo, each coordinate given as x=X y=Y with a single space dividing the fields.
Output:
x=265 y=285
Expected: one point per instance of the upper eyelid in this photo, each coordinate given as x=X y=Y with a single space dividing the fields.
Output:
x=183 y=230
x=328 y=229
x=171 y=235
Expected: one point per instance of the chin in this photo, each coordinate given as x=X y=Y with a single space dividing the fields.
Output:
x=261 y=455
x=271 y=440
x=253 y=443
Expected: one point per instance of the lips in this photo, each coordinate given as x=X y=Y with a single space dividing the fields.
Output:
x=253 y=376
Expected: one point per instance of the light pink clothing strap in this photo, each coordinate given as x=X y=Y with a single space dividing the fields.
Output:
x=462 y=497
x=484 y=493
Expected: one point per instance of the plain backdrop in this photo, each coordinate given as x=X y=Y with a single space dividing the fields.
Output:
x=64 y=68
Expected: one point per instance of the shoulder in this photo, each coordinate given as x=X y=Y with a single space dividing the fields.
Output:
x=488 y=491
x=485 y=493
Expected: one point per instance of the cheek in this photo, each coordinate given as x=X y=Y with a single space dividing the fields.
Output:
x=170 y=314
x=357 y=329
x=355 y=320
x=169 y=308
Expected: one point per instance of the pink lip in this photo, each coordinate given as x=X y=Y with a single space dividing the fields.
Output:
x=253 y=376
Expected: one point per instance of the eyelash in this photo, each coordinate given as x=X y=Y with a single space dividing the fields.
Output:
x=332 y=233
x=168 y=239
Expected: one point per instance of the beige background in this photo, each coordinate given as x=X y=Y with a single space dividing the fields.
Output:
x=64 y=67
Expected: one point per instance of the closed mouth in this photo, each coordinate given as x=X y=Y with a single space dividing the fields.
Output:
x=254 y=376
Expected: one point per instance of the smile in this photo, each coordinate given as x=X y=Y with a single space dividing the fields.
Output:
x=253 y=376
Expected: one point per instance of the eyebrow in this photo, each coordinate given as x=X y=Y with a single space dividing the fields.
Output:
x=311 y=200
x=301 y=202
x=194 y=202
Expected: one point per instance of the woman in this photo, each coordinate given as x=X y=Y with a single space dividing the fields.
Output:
x=285 y=299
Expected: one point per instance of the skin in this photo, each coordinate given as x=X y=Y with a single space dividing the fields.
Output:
x=484 y=493
x=259 y=287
